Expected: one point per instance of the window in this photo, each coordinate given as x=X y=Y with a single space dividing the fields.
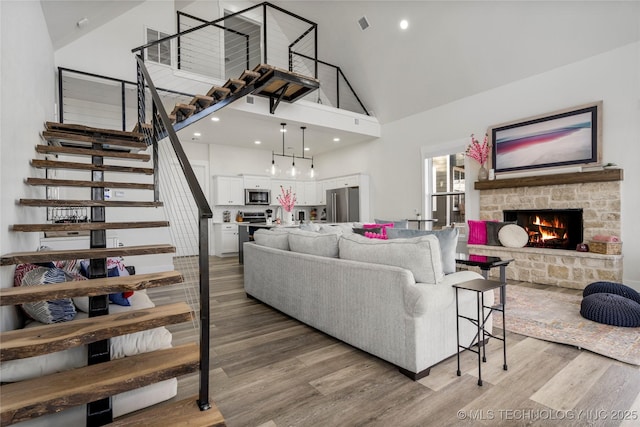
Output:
x=445 y=186
x=161 y=52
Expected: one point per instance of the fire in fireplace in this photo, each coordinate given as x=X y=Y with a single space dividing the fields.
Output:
x=549 y=228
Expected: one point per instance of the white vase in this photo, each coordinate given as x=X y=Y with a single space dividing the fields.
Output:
x=287 y=218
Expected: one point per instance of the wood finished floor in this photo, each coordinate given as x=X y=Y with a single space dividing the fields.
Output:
x=270 y=370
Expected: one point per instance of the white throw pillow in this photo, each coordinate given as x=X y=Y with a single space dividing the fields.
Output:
x=513 y=236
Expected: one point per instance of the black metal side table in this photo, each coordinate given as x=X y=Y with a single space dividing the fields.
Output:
x=480 y=286
x=486 y=263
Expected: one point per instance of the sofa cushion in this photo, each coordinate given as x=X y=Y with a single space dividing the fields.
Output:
x=308 y=242
x=420 y=255
x=271 y=239
x=447 y=237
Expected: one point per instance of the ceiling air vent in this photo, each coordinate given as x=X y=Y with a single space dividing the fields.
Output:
x=364 y=24
x=249 y=99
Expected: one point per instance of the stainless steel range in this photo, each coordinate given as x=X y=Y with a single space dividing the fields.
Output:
x=254 y=217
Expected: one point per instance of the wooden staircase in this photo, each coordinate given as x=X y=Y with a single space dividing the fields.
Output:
x=34 y=398
x=264 y=80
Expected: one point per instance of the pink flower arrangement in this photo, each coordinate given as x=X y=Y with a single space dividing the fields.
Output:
x=287 y=199
x=479 y=152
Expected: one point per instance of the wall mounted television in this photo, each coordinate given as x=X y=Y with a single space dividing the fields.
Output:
x=561 y=138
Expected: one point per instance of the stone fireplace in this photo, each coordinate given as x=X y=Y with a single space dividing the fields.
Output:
x=595 y=194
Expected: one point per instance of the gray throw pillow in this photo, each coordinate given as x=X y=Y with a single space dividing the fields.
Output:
x=448 y=238
x=493 y=228
x=403 y=223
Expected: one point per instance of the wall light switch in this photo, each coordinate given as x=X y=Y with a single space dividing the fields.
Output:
x=119 y=193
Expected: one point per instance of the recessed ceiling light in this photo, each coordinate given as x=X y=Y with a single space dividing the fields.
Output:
x=196 y=134
x=215 y=119
x=404 y=24
x=257 y=142
x=336 y=139
x=307 y=148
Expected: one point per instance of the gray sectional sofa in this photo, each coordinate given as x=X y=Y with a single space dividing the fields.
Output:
x=389 y=298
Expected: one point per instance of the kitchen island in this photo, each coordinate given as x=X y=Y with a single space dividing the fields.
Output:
x=245 y=234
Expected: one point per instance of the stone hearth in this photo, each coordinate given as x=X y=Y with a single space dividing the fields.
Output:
x=600 y=201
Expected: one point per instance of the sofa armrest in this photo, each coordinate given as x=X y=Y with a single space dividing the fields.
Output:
x=421 y=298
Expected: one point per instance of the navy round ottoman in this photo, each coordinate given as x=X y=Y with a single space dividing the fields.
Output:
x=611 y=288
x=611 y=309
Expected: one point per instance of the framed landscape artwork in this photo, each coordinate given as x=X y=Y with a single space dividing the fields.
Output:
x=561 y=138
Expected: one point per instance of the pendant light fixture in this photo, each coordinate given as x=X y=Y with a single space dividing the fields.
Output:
x=294 y=171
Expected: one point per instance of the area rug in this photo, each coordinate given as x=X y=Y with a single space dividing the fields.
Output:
x=555 y=316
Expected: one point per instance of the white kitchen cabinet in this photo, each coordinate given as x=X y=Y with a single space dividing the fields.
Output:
x=226 y=238
x=311 y=193
x=257 y=182
x=347 y=181
x=301 y=194
x=228 y=190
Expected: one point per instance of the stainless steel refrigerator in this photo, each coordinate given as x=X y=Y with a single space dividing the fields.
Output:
x=343 y=204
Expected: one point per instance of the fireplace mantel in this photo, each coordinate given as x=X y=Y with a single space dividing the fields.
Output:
x=555 y=179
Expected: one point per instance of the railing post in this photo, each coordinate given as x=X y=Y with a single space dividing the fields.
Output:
x=338 y=87
x=203 y=398
x=264 y=32
x=124 y=107
x=155 y=132
x=178 y=42
x=60 y=97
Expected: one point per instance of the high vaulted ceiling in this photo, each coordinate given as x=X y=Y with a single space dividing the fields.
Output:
x=451 y=49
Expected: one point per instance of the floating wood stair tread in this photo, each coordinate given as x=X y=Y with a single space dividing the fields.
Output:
x=234 y=85
x=91 y=184
x=287 y=85
x=248 y=76
x=88 y=203
x=88 y=130
x=79 y=288
x=45 y=256
x=33 y=398
x=78 y=135
x=52 y=164
x=80 y=151
x=218 y=93
x=201 y=101
x=181 y=413
x=182 y=111
x=83 y=226
x=29 y=342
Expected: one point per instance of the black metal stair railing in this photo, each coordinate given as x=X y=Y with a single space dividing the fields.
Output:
x=162 y=126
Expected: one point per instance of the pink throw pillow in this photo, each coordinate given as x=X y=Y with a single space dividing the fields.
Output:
x=383 y=227
x=477 y=232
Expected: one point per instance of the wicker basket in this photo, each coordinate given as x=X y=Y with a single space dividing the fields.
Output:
x=607 y=248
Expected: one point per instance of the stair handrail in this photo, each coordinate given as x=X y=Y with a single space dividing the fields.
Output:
x=204 y=213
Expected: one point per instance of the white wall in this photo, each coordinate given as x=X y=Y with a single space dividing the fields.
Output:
x=107 y=49
x=28 y=87
x=614 y=77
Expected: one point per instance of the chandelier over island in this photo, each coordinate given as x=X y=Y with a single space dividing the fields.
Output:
x=293 y=171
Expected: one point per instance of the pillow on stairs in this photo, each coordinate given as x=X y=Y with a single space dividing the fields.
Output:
x=53 y=311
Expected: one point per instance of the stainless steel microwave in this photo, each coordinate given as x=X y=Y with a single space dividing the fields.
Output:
x=254 y=196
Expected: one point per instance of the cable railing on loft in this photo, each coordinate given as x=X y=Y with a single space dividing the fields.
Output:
x=335 y=89
x=206 y=53
x=104 y=102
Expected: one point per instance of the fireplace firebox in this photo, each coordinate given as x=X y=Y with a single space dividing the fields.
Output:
x=549 y=228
